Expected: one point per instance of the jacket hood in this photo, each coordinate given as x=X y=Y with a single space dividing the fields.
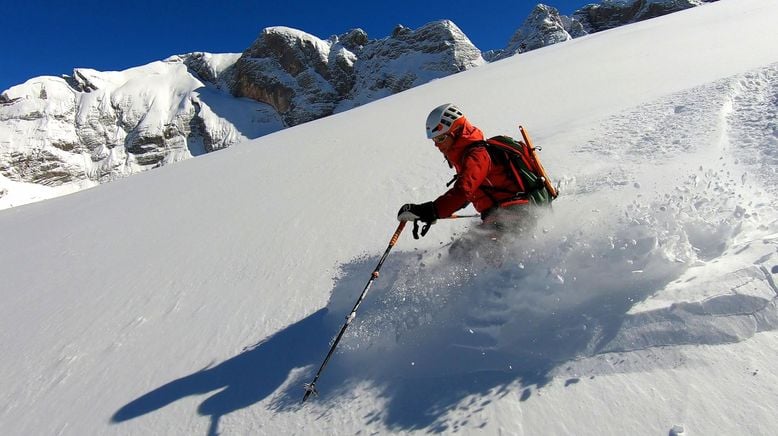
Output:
x=469 y=135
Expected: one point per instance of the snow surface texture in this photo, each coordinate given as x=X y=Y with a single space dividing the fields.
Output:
x=196 y=299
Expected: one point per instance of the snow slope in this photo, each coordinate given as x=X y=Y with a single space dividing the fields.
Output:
x=197 y=298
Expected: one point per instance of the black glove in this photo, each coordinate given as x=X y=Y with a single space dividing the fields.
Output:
x=424 y=212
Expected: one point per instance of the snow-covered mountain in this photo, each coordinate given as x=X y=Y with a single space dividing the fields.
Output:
x=98 y=126
x=544 y=27
x=59 y=135
x=305 y=78
x=77 y=131
x=609 y=14
x=199 y=297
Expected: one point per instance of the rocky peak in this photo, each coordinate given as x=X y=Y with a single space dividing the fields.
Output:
x=439 y=37
x=614 y=13
x=353 y=40
x=296 y=73
x=294 y=50
x=410 y=58
x=401 y=30
x=544 y=26
x=304 y=77
x=216 y=69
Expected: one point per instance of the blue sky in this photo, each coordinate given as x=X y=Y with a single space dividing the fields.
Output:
x=51 y=37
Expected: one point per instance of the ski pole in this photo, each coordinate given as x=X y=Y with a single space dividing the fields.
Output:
x=455 y=216
x=427 y=226
x=310 y=388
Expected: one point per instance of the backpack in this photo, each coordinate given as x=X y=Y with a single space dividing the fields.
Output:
x=523 y=163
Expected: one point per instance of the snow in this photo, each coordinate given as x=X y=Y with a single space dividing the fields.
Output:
x=198 y=297
x=305 y=38
x=17 y=193
x=87 y=134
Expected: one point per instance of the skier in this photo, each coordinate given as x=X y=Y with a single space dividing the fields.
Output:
x=480 y=180
x=494 y=187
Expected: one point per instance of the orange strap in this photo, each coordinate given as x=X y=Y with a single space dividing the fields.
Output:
x=546 y=180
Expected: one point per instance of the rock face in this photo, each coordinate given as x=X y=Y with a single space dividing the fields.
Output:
x=299 y=75
x=305 y=78
x=409 y=58
x=544 y=26
x=614 y=13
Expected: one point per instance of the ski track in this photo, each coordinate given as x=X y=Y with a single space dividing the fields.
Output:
x=754 y=123
x=522 y=308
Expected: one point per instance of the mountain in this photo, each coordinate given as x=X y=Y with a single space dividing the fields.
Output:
x=609 y=14
x=198 y=298
x=59 y=135
x=63 y=134
x=304 y=78
x=544 y=27
x=95 y=126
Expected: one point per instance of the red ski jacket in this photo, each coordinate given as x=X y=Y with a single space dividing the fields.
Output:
x=480 y=181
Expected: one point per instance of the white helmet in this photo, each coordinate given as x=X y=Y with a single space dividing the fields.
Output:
x=441 y=119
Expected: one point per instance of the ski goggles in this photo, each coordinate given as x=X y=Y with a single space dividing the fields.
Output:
x=440 y=138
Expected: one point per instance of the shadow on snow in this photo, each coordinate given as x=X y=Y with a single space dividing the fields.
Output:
x=437 y=333
x=242 y=380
